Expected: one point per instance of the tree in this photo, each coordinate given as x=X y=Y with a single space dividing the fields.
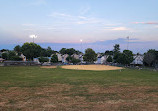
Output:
x=128 y=56
x=124 y=58
x=31 y=50
x=46 y=52
x=63 y=51
x=90 y=55
x=109 y=59
x=5 y=56
x=16 y=58
x=115 y=58
x=75 y=61
x=108 y=52
x=116 y=52
x=116 y=48
x=155 y=53
x=11 y=55
x=3 y=50
x=17 y=49
x=120 y=58
x=43 y=52
x=78 y=52
x=150 y=58
x=54 y=58
x=72 y=60
x=49 y=52
x=70 y=51
x=69 y=59
x=43 y=59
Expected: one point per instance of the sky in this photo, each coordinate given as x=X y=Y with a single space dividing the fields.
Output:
x=69 y=21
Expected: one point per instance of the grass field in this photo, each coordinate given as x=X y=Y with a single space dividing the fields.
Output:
x=40 y=89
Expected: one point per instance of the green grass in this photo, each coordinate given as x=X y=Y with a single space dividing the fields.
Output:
x=35 y=88
x=36 y=76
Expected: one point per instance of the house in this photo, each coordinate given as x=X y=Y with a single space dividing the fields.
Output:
x=64 y=58
x=104 y=59
x=2 y=60
x=81 y=59
x=23 y=57
x=138 y=59
x=101 y=59
x=76 y=56
x=59 y=57
x=98 y=61
x=36 y=60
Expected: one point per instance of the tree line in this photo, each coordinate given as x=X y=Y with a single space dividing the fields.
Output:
x=32 y=50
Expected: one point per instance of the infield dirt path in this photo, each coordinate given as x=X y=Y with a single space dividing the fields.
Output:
x=91 y=67
x=48 y=67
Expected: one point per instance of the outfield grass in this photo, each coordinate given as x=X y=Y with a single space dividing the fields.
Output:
x=35 y=88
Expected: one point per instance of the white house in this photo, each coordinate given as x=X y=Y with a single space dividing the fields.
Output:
x=1 y=60
x=23 y=57
x=76 y=56
x=104 y=59
x=64 y=58
x=36 y=60
x=59 y=57
x=101 y=59
x=138 y=59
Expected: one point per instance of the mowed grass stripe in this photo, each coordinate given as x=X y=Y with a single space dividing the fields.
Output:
x=35 y=76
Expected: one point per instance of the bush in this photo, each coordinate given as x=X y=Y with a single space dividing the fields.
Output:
x=43 y=59
x=16 y=58
x=5 y=56
x=75 y=61
x=54 y=58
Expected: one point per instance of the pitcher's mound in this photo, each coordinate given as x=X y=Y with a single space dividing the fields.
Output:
x=91 y=67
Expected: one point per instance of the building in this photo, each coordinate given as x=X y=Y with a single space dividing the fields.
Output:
x=2 y=60
x=138 y=59
x=23 y=57
x=64 y=58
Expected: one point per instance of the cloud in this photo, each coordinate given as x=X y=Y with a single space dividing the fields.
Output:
x=75 y=19
x=116 y=28
x=149 y=23
x=28 y=25
x=120 y=28
x=60 y=15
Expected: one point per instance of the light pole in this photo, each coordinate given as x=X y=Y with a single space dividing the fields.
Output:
x=127 y=42
x=33 y=37
x=81 y=44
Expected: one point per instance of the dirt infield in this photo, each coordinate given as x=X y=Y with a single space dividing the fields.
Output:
x=91 y=67
x=48 y=67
